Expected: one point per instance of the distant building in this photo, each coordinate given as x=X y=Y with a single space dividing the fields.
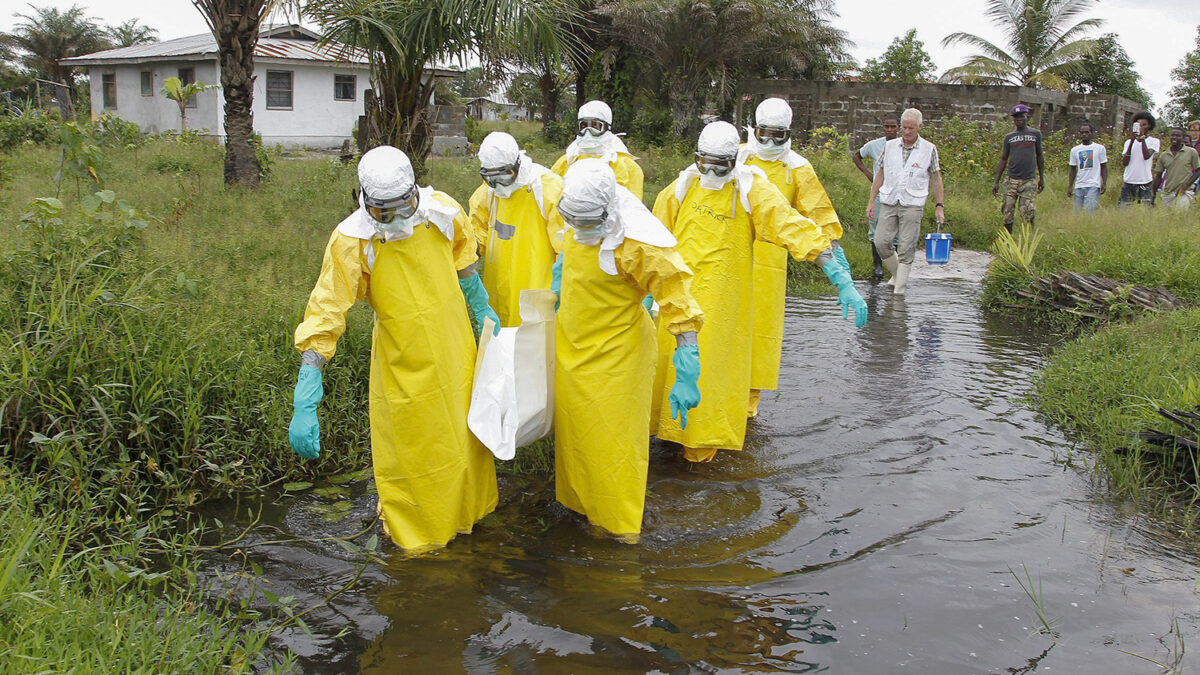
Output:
x=305 y=93
x=495 y=108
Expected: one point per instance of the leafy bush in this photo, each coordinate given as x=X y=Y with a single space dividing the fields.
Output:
x=652 y=126
x=114 y=132
x=31 y=126
x=173 y=164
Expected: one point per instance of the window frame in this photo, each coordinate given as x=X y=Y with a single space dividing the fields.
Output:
x=107 y=79
x=353 y=86
x=184 y=81
x=291 y=90
x=144 y=81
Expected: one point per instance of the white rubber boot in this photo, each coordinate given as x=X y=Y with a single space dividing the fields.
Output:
x=892 y=262
x=902 y=273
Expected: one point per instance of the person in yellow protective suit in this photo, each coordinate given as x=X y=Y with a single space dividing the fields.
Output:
x=768 y=147
x=594 y=138
x=717 y=210
x=615 y=252
x=514 y=217
x=400 y=252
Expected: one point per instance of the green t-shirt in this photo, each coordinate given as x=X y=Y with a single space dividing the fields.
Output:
x=1176 y=167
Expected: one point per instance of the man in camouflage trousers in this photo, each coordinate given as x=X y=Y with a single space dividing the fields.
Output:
x=1021 y=154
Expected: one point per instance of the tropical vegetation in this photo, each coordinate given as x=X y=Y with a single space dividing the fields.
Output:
x=1045 y=42
x=905 y=60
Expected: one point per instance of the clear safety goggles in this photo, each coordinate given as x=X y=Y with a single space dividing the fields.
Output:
x=387 y=210
x=593 y=126
x=500 y=176
x=585 y=222
x=717 y=166
x=774 y=135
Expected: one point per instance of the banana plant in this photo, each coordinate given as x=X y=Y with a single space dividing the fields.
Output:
x=176 y=90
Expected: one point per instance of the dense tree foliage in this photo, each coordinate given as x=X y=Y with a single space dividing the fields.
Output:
x=905 y=60
x=702 y=48
x=1109 y=71
x=46 y=35
x=402 y=38
x=1184 y=104
x=130 y=34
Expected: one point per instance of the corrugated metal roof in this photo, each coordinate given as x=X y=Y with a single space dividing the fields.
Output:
x=203 y=45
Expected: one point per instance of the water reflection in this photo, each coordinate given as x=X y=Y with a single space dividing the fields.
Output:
x=887 y=494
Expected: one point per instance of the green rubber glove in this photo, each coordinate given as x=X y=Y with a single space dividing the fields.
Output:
x=848 y=296
x=304 y=433
x=477 y=298
x=685 y=393
x=556 y=280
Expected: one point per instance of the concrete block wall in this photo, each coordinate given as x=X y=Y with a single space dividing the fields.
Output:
x=857 y=108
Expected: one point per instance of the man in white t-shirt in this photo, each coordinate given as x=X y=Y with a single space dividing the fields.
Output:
x=1089 y=171
x=1138 y=158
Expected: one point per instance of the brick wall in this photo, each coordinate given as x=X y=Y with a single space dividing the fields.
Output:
x=857 y=108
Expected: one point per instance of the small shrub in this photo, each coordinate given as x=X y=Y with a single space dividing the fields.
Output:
x=113 y=132
x=173 y=164
x=31 y=126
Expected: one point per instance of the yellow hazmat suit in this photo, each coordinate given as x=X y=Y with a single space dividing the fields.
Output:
x=519 y=239
x=716 y=235
x=605 y=359
x=629 y=174
x=434 y=478
x=795 y=178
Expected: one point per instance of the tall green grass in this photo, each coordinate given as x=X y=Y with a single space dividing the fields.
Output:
x=1106 y=385
x=99 y=608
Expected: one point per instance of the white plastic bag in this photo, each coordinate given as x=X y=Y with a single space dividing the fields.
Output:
x=512 y=401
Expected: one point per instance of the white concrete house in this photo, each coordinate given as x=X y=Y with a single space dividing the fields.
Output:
x=305 y=93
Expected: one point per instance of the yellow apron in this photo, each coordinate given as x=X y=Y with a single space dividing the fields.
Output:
x=626 y=168
x=516 y=244
x=716 y=243
x=806 y=194
x=603 y=372
x=715 y=240
x=434 y=478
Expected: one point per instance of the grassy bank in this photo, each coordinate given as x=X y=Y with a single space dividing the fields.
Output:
x=66 y=608
x=1104 y=387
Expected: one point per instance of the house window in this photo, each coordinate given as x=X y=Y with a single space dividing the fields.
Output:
x=186 y=77
x=109 y=81
x=279 y=90
x=147 y=83
x=344 y=87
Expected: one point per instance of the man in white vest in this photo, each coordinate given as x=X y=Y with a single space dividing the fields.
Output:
x=910 y=171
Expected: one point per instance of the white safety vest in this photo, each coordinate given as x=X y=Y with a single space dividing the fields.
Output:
x=906 y=183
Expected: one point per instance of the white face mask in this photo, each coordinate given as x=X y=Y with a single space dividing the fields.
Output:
x=589 y=237
x=589 y=144
x=710 y=181
x=768 y=151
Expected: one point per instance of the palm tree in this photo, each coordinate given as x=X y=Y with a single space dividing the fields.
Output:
x=1042 y=49
x=176 y=90
x=48 y=35
x=235 y=25
x=703 y=47
x=131 y=34
x=403 y=38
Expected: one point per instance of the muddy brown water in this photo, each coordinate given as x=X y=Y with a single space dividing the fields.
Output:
x=888 y=494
